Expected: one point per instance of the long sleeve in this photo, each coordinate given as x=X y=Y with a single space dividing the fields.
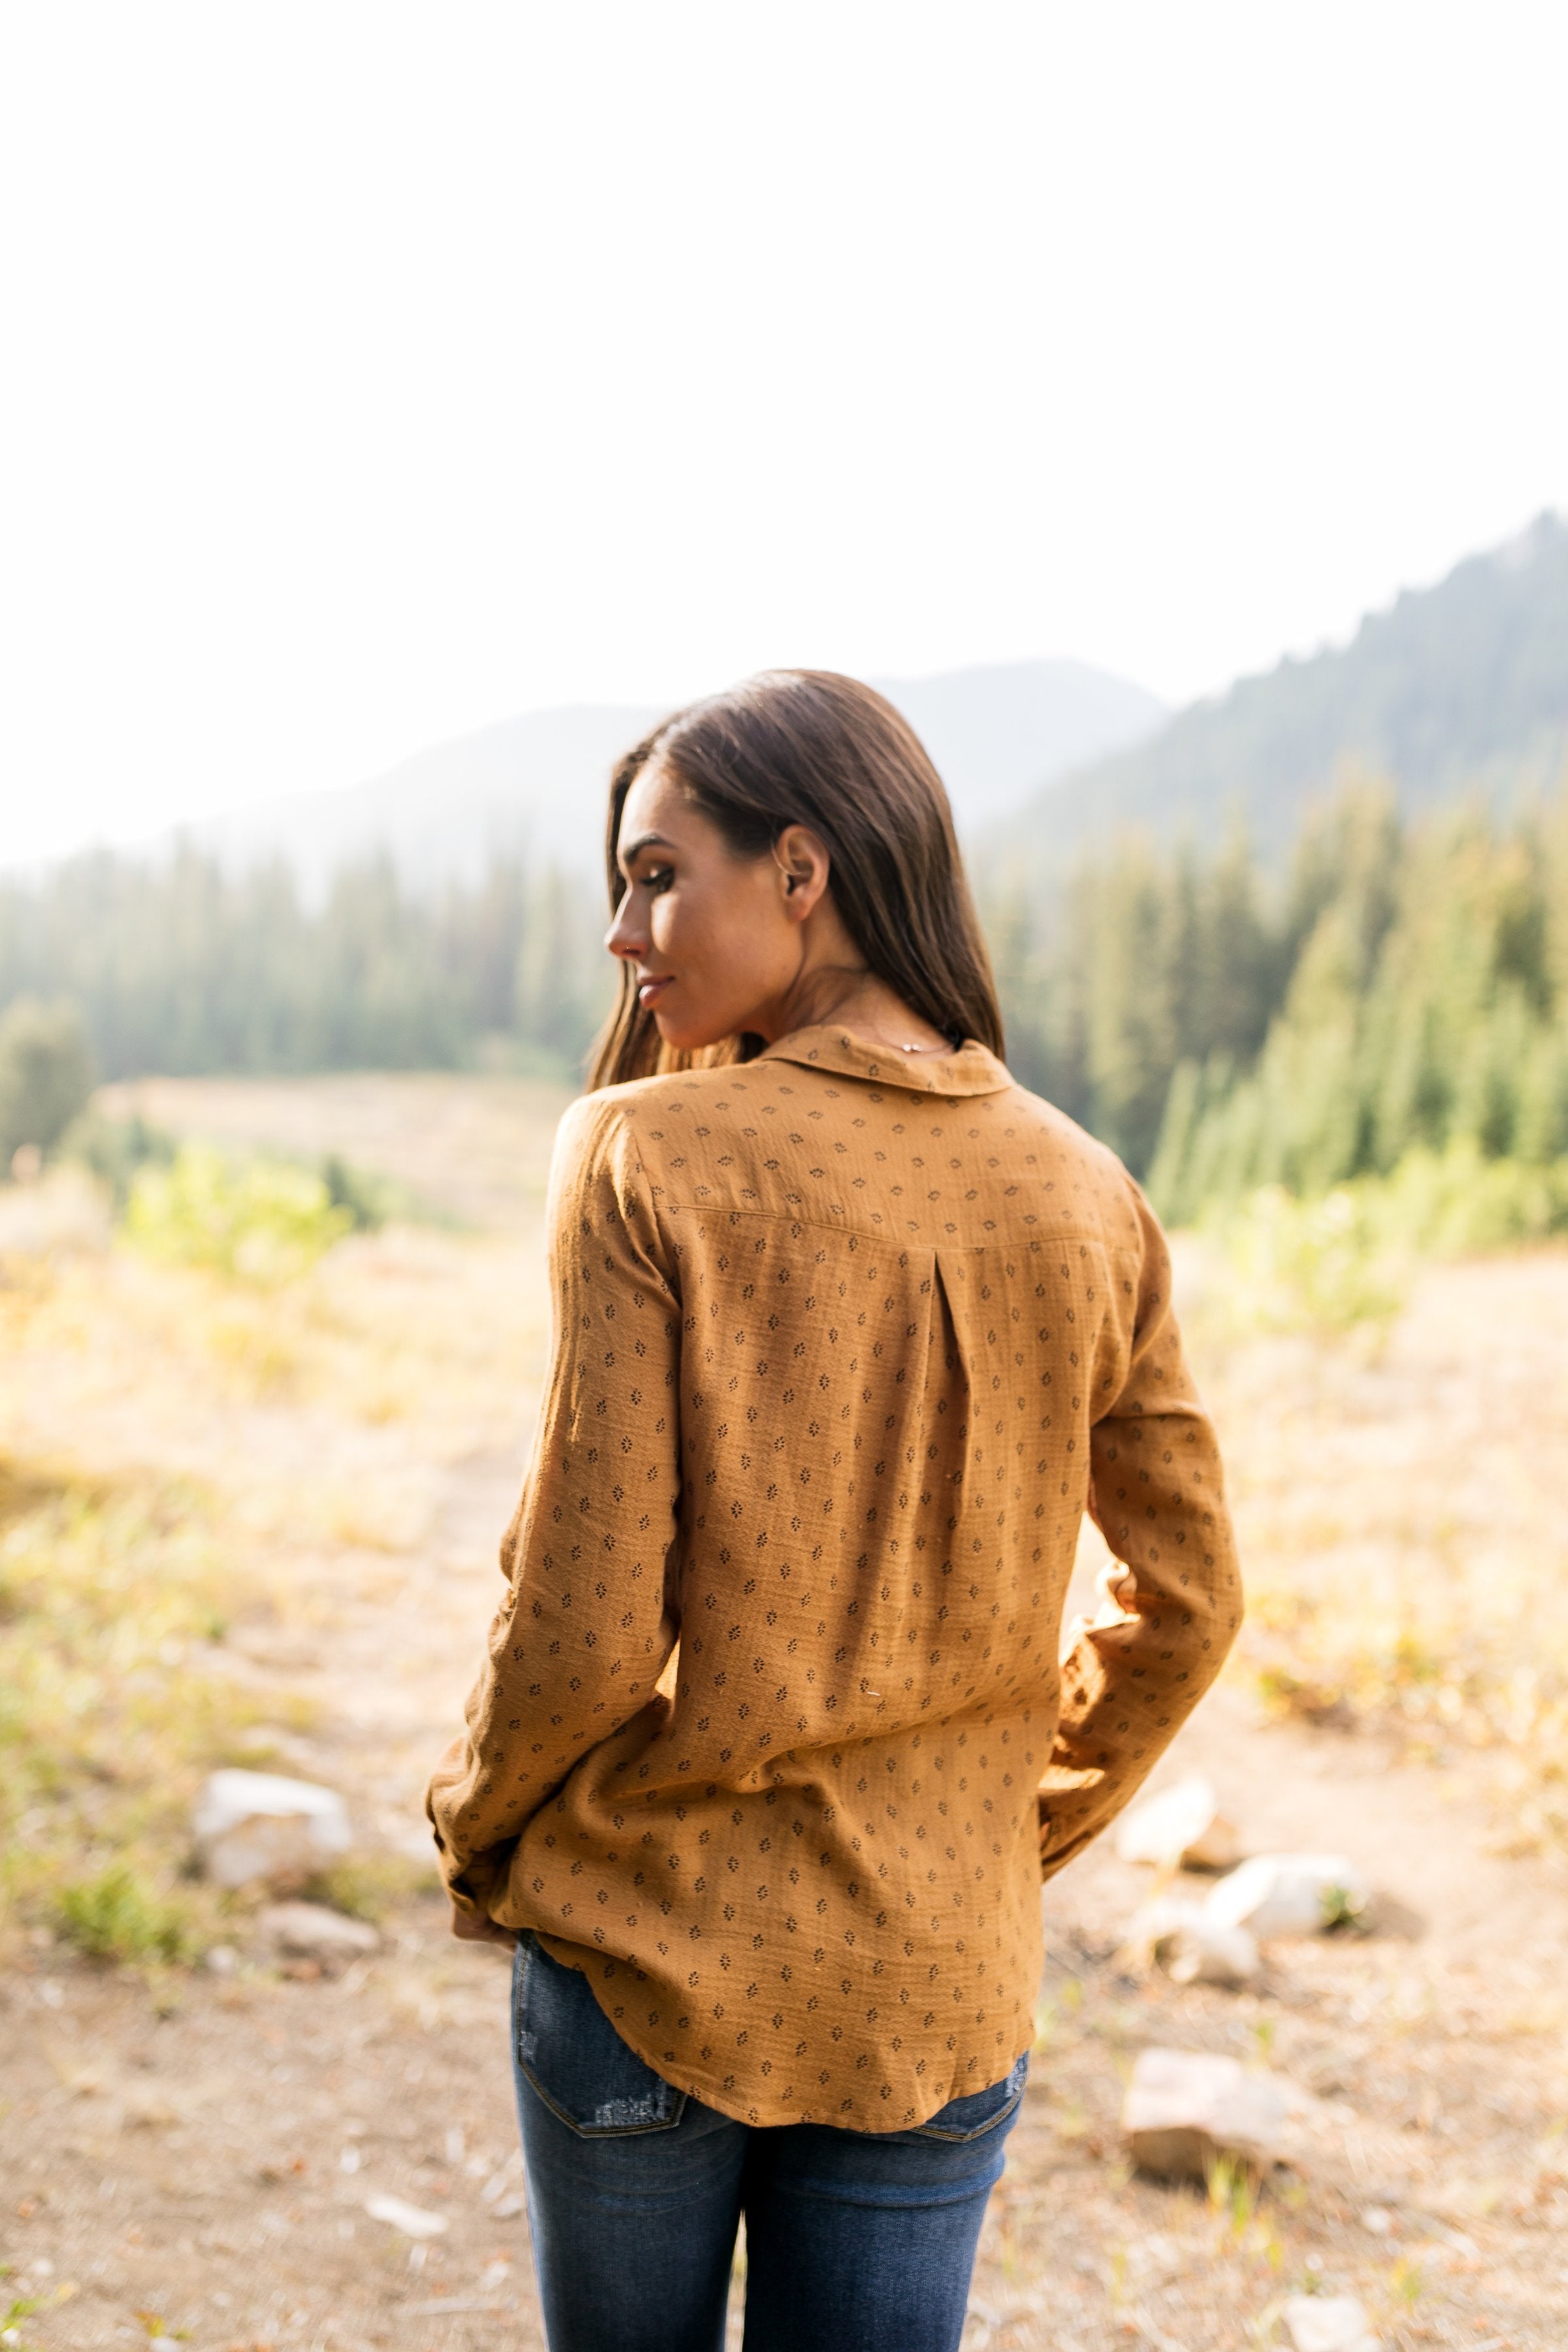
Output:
x=584 y=1633
x=1173 y=1602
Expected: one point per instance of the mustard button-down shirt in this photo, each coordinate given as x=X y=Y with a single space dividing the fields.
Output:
x=772 y=1740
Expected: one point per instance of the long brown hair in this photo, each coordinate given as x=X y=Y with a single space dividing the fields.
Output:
x=808 y=747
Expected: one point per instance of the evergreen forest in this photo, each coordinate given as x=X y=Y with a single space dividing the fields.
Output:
x=1400 y=987
x=184 y=968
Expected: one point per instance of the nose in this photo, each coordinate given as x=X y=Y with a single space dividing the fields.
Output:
x=626 y=937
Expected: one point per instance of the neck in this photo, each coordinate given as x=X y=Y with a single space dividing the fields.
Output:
x=855 y=996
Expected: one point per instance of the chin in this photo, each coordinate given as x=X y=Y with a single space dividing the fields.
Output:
x=688 y=1037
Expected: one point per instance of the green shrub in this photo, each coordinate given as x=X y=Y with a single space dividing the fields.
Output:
x=1350 y=1256
x=46 y=1075
x=1322 y=1263
x=115 y=1151
x=256 y=1220
x=115 y=1916
x=1444 y=1204
x=368 y=1201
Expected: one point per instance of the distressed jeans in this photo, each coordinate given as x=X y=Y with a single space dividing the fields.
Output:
x=856 y=2242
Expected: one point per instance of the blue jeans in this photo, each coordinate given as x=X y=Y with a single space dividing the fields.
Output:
x=856 y=2242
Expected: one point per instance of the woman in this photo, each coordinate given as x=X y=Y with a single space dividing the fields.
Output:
x=771 y=1749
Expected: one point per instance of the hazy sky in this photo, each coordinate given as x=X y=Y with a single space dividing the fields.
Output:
x=374 y=372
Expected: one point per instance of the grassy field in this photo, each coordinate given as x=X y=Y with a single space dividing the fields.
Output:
x=201 y=1474
x=1402 y=1492
x=252 y=1518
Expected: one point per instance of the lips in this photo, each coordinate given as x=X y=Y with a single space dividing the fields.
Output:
x=650 y=990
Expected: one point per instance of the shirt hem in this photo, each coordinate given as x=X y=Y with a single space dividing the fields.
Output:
x=752 y=2107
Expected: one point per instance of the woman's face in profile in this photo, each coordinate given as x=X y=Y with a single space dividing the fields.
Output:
x=714 y=939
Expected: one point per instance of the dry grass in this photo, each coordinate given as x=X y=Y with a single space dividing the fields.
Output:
x=1402 y=1496
x=199 y=1473
x=115 y=1600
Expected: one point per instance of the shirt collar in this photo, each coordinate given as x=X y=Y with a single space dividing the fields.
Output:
x=971 y=1070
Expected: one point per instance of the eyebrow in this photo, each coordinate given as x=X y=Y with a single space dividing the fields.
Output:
x=644 y=841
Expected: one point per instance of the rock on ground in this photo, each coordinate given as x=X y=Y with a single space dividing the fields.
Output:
x=1185 y=2109
x=412 y=2220
x=310 y=1931
x=260 y=1826
x=1290 y=1895
x=1193 y=1948
x=1182 y=1827
x=1328 y=2323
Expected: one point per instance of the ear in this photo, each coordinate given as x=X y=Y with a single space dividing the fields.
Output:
x=803 y=864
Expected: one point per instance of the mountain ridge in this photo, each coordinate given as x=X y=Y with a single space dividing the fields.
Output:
x=1463 y=684
x=535 y=785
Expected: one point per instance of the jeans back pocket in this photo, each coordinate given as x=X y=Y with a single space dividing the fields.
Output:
x=979 y=2111
x=566 y=2049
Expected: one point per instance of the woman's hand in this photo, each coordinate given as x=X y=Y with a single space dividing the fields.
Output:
x=476 y=1928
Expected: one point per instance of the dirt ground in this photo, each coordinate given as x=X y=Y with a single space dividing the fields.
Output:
x=187 y=2154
